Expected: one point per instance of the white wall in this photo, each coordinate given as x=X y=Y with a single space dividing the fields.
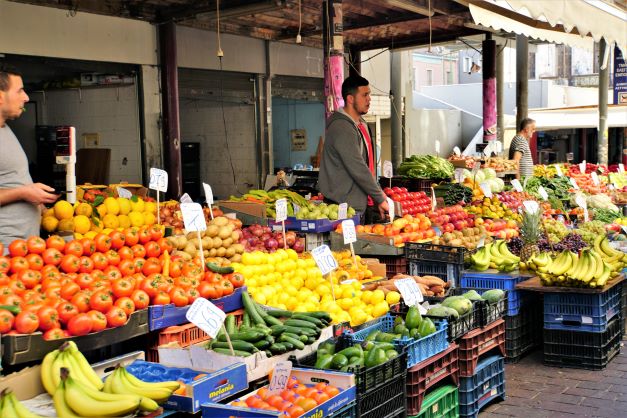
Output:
x=111 y=112
x=151 y=86
x=424 y=126
x=377 y=70
x=50 y=32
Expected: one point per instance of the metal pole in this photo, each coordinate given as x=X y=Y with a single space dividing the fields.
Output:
x=396 y=122
x=500 y=84
x=522 y=78
x=489 y=89
x=603 y=149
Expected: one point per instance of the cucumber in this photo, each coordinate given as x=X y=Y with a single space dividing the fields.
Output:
x=237 y=345
x=295 y=336
x=270 y=320
x=320 y=315
x=249 y=335
x=226 y=351
x=280 y=313
x=278 y=348
x=262 y=344
x=311 y=340
x=249 y=306
x=300 y=323
x=220 y=270
x=229 y=324
x=295 y=342
x=278 y=329
x=318 y=323
x=288 y=345
x=246 y=320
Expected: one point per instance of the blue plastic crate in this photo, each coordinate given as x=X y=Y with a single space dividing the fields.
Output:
x=487 y=384
x=417 y=350
x=449 y=272
x=163 y=316
x=590 y=312
x=496 y=280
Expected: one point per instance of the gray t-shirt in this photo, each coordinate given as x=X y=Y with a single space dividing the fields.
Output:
x=520 y=144
x=19 y=219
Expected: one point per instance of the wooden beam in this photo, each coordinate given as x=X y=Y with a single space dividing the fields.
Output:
x=414 y=40
x=207 y=9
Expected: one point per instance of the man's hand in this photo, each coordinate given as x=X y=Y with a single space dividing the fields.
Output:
x=384 y=209
x=38 y=193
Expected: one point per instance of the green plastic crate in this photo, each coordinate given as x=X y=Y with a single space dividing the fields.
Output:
x=442 y=402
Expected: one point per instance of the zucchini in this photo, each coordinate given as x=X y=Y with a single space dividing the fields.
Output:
x=305 y=317
x=288 y=345
x=300 y=323
x=270 y=320
x=237 y=345
x=229 y=324
x=278 y=313
x=320 y=315
x=226 y=351
x=310 y=340
x=218 y=269
x=248 y=335
x=278 y=348
x=249 y=306
x=295 y=342
x=262 y=344
x=295 y=336
x=246 y=320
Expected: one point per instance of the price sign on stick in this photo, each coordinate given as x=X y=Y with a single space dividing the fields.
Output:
x=206 y=316
x=558 y=169
x=208 y=197
x=517 y=186
x=342 y=211
x=580 y=200
x=125 y=193
x=582 y=166
x=481 y=242
x=457 y=151
x=574 y=183
x=388 y=170
x=485 y=188
x=621 y=168
x=434 y=202
x=186 y=199
x=391 y=208
x=476 y=168
x=280 y=377
x=326 y=262
x=498 y=145
x=348 y=230
x=437 y=147
x=159 y=183
x=459 y=175
x=194 y=220
x=531 y=206
x=410 y=291
x=543 y=194
x=281 y=216
x=595 y=178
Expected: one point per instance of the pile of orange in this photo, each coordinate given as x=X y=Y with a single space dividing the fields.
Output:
x=294 y=401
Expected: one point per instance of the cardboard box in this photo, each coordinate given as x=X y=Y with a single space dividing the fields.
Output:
x=136 y=189
x=249 y=208
x=377 y=268
x=343 y=381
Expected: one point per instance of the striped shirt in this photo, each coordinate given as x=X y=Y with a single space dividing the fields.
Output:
x=525 y=165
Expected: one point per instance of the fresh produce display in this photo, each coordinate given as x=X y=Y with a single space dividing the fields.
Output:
x=498 y=228
x=10 y=406
x=597 y=201
x=492 y=208
x=452 y=218
x=456 y=306
x=467 y=237
x=408 y=228
x=453 y=193
x=530 y=234
x=555 y=230
x=88 y=219
x=514 y=200
x=274 y=331
x=499 y=164
x=373 y=352
x=262 y=238
x=572 y=242
x=170 y=215
x=221 y=239
x=619 y=180
x=467 y=160
x=485 y=175
x=412 y=203
x=556 y=187
x=426 y=167
x=412 y=326
x=428 y=285
x=495 y=255
x=351 y=268
x=590 y=230
x=607 y=216
x=592 y=268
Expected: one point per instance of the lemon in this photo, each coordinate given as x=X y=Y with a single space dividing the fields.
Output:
x=82 y=224
x=63 y=210
x=66 y=225
x=83 y=209
x=380 y=309
x=297 y=282
x=345 y=303
x=125 y=205
x=110 y=221
x=137 y=206
x=323 y=289
x=48 y=212
x=311 y=283
x=149 y=218
x=96 y=225
x=102 y=210
x=377 y=297
x=347 y=292
x=112 y=205
x=260 y=298
x=150 y=207
x=358 y=317
x=91 y=234
x=392 y=298
x=292 y=303
x=49 y=223
x=125 y=221
x=291 y=254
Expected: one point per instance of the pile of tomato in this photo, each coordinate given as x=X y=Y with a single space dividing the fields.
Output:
x=82 y=286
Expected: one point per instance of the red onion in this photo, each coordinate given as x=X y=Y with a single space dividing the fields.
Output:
x=271 y=244
x=298 y=246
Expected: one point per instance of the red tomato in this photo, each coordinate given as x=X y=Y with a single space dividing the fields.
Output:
x=66 y=311
x=100 y=260
x=5 y=264
x=151 y=266
x=86 y=264
x=89 y=246
x=164 y=244
x=98 y=320
x=6 y=321
x=48 y=318
x=126 y=304
x=17 y=287
x=52 y=256
x=178 y=297
x=122 y=287
x=70 y=263
x=80 y=324
x=35 y=261
x=156 y=232
x=55 y=241
x=144 y=235
x=152 y=249
x=118 y=239
x=54 y=334
x=74 y=247
x=140 y=299
x=161 y=298
x=131 y=236
x=139 y=250
x=30 y=278
x=116 y=317
x=18 y=248
x=26 y=322
x=126 y=253
x=126 y=267
x=227 y=287
x=18 y=263
x=139 y=264
x=192 y=295
x=101 y=301
x=81 y=301
x=112 y=273
x=236 y=279
x=103 y=243
x=69 y=289
x=11 y=299
x=36 y=245
x=86 y=280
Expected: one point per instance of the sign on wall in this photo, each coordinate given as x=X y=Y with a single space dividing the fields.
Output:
x=620 y=78
x=299 y=139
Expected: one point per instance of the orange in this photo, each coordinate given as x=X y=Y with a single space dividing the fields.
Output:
x=263 y=393
x=274 y=400
x=253 y=401
x=320 y=386
x=306 y=403
x=320 y=397
x=331 y=391
x=295 y=411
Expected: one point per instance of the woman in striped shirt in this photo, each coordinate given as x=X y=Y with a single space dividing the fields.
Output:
x=519 y=149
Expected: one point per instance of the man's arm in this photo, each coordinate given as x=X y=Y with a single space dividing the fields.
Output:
x=517 y=157
x=35 y=193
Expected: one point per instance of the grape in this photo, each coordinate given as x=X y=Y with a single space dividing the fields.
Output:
x=515 y=245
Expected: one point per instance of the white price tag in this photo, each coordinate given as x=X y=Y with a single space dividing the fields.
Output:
x=410 y=291
x=624 y=228
x=611 y=186
x=388 y=170
x=559 y=170
x=193 y=217
x=281 y=210
x=488 y=149
x=348 y=230
x=125 y=193
x=481 y=242
x=186 y=199
x=531 y=206
x=457 y=151
x=437 y=146
x=324 y=259
x=342 y=211
x=208 y=193
x=586 y=215
x=621 y=168
x=582 y=166
x=485 y=188
x=543 y=194
x=459 y=175
x=595 y=178
x=574 y=183
x=158 y=180
x=296 y=208
x=517 y=186
x=391 y=210
x=434 y=202
x=206 y=316
x=580 y=200
x=476 y=168
x=498 y=147
x=280 y=377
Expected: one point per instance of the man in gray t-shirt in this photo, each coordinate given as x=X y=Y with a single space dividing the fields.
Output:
x=519 y=149
x=20 y=198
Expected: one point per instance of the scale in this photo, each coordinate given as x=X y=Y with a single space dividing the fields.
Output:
x=65 y=154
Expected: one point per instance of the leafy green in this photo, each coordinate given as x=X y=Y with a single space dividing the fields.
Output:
x=426 y=167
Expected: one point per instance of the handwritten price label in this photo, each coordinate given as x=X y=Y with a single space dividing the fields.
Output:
x=558 y=169
x=595 y=178
x=391 y=208
x=517 y=186
x=437 y=146
x=476 y=168
x=280 y=377
x=158 y=180
x=485 y=188
x=574 y=183
x=281 y=210
x=342 y=211
x=531 y=206
x=388 y=170
x=193 y=217
x=206 y=316
x=543 y=193
x=348 y=230
x=498 y=147
x=186 y=199
x=582 y=166
x=580 y=200
x=208 y=193
x=125 y=193
x=324 y=259
x=459 y=175
x=621 y=168
x=434 y=202
x=410 y=291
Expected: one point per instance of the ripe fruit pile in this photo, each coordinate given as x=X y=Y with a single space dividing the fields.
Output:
x=257 y=237
x=451 y=218
x=499 y=228
x=492 y=208
x=294 y=401
x=514 y=200
x=411 y=202
x=467 y=237
x=495 y=255
x=170 y=215
x=220 y=239
x=408 y=228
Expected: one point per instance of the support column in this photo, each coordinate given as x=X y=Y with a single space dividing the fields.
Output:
x=500 y=91
x=355 y=61
x=333 y=49
x=522 y=78
x=170 y=95
x=263 y=105
x=396 y=120
x=150 y=116
x=603 y=149
x=489 y=88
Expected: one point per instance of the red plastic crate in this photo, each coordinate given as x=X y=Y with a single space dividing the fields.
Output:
x=429 y=373
x=393 y=264
x=478 y=342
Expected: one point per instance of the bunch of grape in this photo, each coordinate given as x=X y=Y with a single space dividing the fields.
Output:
x=556 y=230
x=515 y=245
x=573 y=242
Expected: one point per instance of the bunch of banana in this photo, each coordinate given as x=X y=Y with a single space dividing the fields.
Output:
x=151 y=393
x=495 y=255
x=617 y=260
x=76 y=399
x=10 y=406
x=568 y=269
x=67 y=356
x=538 y=262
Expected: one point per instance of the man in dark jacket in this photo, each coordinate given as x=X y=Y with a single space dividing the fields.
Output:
x=348 y=165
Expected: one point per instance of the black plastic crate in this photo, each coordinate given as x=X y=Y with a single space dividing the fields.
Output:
x=394 y=264
x=386 y=401
x=431 y=252
x=579 y=349
x=523 y=332
x=449 y=272
x=348 y=411
x=491 y=312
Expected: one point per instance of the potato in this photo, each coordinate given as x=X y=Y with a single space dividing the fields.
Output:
x=221 y=252
x=239 y=248
x=190 y=249
x=212 y=231
x=230 y=252
x=236 y=235
x=226 y=243
x=213 y=252
x=225 y=231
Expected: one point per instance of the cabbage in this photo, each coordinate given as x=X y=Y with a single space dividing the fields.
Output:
x=489 y=173
x=601 y=201
x=467 y=174
x=480 y=178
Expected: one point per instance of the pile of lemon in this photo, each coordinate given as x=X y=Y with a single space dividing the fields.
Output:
x=285 y=281
x=86 y=221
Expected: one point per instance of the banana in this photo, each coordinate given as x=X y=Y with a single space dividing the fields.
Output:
x=21 y=410
x=46 y=372
x=87 y=406
x=561 y=264
x=60 y=405
x=586 y=275
x=605 y=247
x=171 y=385
x=157 y=394
x=494 y=250
x=55 y=369
x=77 y=372
x=84 y=366
x=542 y=260
x=599 y=264
x=505 y=252
x=604 y=276
x=6 y=408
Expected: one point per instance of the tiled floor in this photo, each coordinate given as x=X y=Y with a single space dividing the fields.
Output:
x=534 y=390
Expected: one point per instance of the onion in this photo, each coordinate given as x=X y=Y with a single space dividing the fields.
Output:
x=166 y=212
x=266 y=229
x=290 y=237
x=271 y=244
x=265 y=237
x=298 y=246
x=256 y=230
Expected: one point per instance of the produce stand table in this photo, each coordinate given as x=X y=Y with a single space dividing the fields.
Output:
x=535 y=285
x=367 y=244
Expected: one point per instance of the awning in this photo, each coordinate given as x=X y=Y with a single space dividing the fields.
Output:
x=526 y=17
x=576 y=117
